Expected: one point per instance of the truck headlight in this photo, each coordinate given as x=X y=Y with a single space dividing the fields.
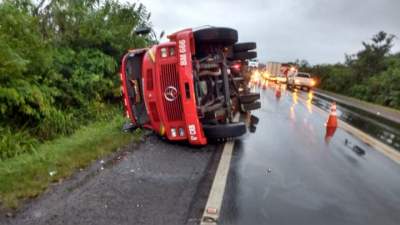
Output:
x=164 y=52
x=181 y=132
x=173 y=132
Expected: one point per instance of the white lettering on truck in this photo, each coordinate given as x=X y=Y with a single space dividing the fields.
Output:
x=182 y=52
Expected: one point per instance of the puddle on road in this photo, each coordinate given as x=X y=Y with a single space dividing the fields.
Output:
x=386 y=131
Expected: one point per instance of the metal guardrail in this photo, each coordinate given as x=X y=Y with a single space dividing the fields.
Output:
x=379 y=112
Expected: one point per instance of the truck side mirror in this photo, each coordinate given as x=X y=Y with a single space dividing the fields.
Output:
x=162 y=34
x=142 y=30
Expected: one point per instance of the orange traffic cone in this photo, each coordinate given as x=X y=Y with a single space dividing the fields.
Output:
x=330 y=131
x=332 y=120
x=265 y=85
x=278 y=91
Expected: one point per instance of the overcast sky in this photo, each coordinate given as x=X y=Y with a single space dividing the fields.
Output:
x=320 y=31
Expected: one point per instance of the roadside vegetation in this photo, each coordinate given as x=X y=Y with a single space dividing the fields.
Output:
x=59 y=93
x=29 y=174
x=372 y=74
x=59 y=66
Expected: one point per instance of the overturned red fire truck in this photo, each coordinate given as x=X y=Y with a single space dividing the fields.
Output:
x=191 y=87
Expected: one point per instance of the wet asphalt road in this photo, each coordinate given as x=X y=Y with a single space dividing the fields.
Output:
x=151 y=183
x=286 y=172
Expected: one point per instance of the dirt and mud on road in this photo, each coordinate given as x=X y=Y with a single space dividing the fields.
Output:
x=154 y=182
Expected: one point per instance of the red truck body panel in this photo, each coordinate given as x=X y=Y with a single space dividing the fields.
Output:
x=168 y=89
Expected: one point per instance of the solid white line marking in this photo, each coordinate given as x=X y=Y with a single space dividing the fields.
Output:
x=214 y=203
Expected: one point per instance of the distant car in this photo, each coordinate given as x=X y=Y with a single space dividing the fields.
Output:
x=301 y=80
x=272 y=78
x=281 y=79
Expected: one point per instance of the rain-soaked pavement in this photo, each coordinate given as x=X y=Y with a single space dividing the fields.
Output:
x=377 y=126
x=289 y=172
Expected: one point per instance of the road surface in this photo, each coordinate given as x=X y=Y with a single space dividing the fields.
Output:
x=289 y=173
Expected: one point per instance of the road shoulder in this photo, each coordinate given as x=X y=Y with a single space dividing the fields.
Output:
x=154 y=182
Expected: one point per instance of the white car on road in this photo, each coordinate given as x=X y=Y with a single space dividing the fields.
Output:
x=281 y=79
x=301 y=80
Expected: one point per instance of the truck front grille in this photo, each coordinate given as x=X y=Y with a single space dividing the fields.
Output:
x=170 y=80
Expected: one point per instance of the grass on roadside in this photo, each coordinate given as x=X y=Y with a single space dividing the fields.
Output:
x=27 y=175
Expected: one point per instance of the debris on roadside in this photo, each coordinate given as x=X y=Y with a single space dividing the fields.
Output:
x=52 y=173
x=357 y=149
x=128 y=127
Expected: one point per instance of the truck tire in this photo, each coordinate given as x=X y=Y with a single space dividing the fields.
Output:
x=244 y=55
x=251 y=106
x=249 y=98
x=244 y=46
x=224 y=131
x=216 y=35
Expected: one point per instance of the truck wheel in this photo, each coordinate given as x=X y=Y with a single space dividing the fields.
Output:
x=244 y=46
x=216 y=35
x=244 y=55
x=223 y=131
x=251 y=106
x=249 y=97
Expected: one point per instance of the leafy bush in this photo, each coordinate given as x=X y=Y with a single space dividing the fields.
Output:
x=59 y=64
x=14 y=143
x=55 y=123
x=384 y=88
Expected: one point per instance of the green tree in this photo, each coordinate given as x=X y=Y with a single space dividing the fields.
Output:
x=372 y=74
x=371 y=60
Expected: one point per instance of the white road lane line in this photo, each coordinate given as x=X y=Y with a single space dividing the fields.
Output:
x=214 y=203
